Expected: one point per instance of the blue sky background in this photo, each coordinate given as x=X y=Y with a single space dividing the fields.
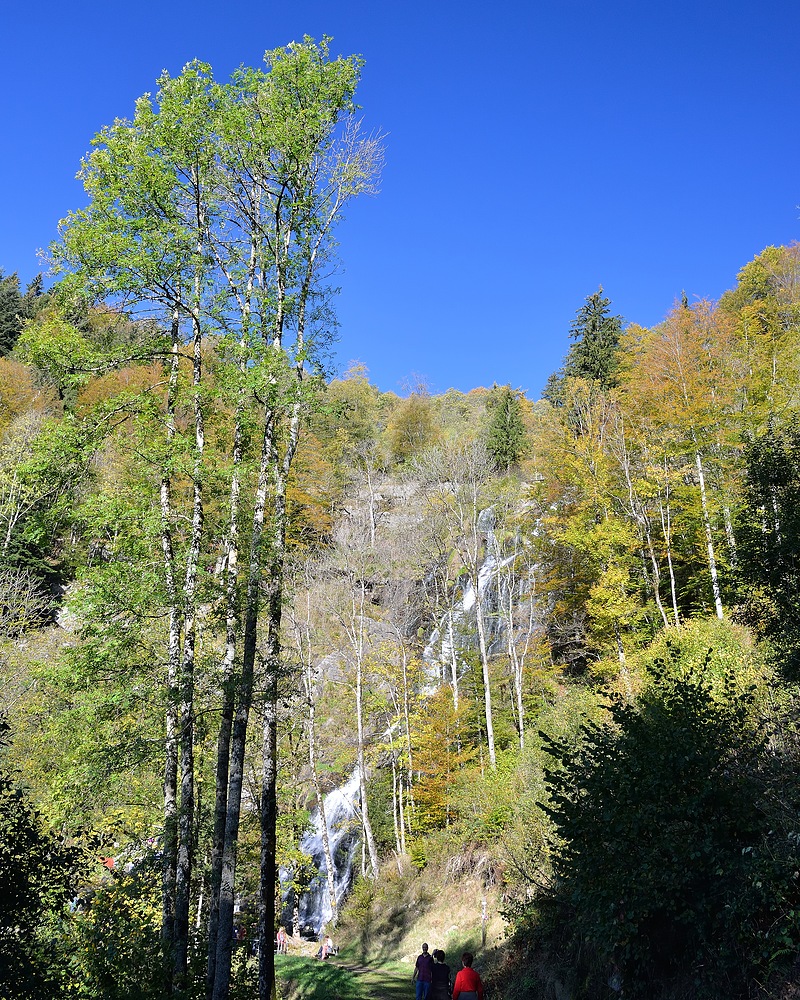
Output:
x=534 y=151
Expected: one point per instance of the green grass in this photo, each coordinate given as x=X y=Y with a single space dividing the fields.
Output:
x=310 y=979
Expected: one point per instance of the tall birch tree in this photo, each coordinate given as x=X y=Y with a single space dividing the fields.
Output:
x=213 y=210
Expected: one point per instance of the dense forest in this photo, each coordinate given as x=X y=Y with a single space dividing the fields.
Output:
x=552 y=645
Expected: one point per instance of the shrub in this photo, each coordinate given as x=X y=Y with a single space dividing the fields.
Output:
x=38 y=875
x=667 y=862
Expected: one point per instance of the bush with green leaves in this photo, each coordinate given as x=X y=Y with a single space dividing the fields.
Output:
x=114 y=938
x=768 y=533
x=38 y=875
x=676 y=849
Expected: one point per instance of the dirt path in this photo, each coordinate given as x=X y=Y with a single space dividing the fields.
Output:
x=381 y=983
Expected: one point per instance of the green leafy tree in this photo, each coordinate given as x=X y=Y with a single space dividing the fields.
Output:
x=39 y=875
x=213 y=212
x=769 y=550
x=660 y=821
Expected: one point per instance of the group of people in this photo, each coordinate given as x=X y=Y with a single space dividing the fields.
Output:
x=326 y=946
x=434 y=982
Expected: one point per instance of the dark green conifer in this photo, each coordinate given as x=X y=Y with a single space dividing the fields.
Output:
x=593 y=356
x=10 y=312
x=505 y=434
x=15 y=308
x=596 y=333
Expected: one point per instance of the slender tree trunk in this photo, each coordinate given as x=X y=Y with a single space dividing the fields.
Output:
x=240 y=723
x=642 y=521
x=729 y=533
x=401 y=817
x=516 y=661
x=395 y=805
x=269 y=810
x=362 y=767
x=453 y=659
x=227 y=707
x=487 y=690
x=186 y=812
x=170 y=840
x=228 y=704
x=666 y=529
x=712 y=562
x=406 y=713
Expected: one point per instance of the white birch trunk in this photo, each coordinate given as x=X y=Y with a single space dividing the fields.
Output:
x=712 y=562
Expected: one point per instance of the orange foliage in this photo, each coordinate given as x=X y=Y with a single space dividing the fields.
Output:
x=20 y=393
x=311 y=494
x=130 y=381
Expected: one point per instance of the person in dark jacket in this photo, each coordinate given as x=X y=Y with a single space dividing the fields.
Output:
x=423 y=974
x=441 y=982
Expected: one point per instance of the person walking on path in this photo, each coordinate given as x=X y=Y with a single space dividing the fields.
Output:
x=423 y=973
x=468 y=985
x=441 y=982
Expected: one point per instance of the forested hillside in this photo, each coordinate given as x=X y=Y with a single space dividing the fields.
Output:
x=552 y=644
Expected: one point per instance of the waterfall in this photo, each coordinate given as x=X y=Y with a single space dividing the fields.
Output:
x=456 y=631
x=344 y=826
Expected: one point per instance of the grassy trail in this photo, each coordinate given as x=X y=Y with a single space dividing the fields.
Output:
x=310 y=979
x=382 y=983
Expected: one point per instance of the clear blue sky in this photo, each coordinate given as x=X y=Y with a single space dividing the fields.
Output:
x=534 y=151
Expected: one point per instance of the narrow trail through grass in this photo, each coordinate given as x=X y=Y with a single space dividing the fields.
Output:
x=382 y=983
x=310 y=979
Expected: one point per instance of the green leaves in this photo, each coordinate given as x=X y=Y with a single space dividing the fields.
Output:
x=664 y=831
x=39 y=875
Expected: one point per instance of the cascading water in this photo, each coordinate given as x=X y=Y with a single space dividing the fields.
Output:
x=456 y=631
x=454 y=634
x=344 y=826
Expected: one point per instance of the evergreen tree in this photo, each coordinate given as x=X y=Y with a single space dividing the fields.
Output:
x=593 y=356
x=596 y=333
x=15 y=308
x=505 y=434
x=10 y=309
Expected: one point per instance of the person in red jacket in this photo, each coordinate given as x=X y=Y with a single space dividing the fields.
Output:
x=468 y=985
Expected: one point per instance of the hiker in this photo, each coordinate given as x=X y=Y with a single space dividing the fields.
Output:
x=423 y=973
x=283 y=946
x=468 y=985
x=441 y=982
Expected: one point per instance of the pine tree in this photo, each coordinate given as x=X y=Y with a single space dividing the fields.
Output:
x=10 y=310
x=593 y=356
x=505 y=434
x=15 y=308
x=596 y=332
